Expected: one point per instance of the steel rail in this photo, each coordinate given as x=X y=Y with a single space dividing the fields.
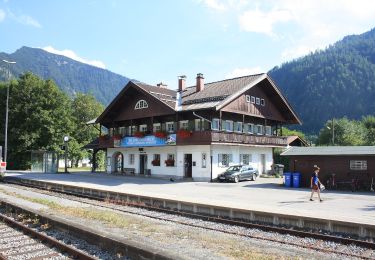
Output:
x=281 y=230
x=52 y=242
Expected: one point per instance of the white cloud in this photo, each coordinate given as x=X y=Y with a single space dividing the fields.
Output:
x=215 y=4
x=238 y=72
x=263 y=22
x=71 y=54
x=24 y=19
x=2 y=15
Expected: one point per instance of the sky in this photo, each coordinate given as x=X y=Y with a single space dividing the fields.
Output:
x=158 y=40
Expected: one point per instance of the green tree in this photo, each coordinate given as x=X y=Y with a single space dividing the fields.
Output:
x=39 y=117
x=346 y=132
x=289 y=132
x=369 y=126
x=84 y=108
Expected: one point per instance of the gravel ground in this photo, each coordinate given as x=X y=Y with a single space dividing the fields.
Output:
x=198 y=243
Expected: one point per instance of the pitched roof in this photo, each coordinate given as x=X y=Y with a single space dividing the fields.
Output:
x=292 y=138
x=330 y=150
x=219 y=90
x=165 y=95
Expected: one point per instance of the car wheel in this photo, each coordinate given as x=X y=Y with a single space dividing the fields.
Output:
x=254 y=177
x=236 y=179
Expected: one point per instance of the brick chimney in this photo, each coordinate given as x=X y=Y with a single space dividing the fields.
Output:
x=181 y=83
x=200 y=82
x=162 y=85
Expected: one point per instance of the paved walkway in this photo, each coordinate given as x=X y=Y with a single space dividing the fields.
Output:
x=264 y=194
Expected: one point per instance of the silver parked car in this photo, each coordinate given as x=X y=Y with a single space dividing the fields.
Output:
x=238 y=173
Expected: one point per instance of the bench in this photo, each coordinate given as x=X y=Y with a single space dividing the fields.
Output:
x=129 y=171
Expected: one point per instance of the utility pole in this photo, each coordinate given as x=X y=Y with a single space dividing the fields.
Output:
x=333 y=131
x=7 y=110
x=66 y=139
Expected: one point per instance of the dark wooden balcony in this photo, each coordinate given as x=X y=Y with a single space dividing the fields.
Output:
x=106 y=141
x=266 y=140
x=208 y=137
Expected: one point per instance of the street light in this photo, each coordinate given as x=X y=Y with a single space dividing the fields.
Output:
x=333 y=131
x=6 y=111
x=66 y=139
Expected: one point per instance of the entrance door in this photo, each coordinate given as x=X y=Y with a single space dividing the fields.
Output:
x=188 y=163
x=262 y=169
x=143 y=164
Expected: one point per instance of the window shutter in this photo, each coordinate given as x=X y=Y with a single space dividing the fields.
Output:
x=163 y=127
x=191 y=125
x=175 y=126
x=230 y=156
x=220 y=159
x=205 y=125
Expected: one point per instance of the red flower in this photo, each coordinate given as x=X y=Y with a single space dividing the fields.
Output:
x=183 y=133
x=169 y=162
x=161 y=134
x=155 y=162
x=139 y=134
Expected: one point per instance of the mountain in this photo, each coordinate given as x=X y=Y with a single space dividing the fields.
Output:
x=332 y=83
x=70 y=75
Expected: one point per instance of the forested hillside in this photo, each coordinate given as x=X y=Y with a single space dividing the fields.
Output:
x=70 y=75
x=336 y=82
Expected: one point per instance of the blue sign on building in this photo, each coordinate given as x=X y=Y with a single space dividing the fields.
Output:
x=148 y=140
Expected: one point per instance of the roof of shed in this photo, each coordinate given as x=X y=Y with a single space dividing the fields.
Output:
x=330 y=150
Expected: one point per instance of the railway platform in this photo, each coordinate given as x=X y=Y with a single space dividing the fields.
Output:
x=265 y=200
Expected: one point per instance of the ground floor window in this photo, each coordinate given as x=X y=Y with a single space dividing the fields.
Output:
x=225 y=159
x=156 y=160
x=204 y=160
x=358 y=165
x=131 y=159
x=245 y=159
x=170 y=160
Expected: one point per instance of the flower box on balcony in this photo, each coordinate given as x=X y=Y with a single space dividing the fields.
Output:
x=155 y=162
x=139 y=134
x=183 y=133
x=117 y=137
x=161 y=134
x=169 y=162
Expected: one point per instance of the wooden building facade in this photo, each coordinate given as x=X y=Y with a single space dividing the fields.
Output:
x=340 y=166
x=194 y=132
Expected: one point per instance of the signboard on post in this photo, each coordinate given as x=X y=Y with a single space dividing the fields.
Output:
x=3 y=167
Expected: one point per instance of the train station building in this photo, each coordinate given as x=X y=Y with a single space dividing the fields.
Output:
x=197 y=131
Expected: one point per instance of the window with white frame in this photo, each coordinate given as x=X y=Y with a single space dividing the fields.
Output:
x=262 y=102
x=170 y=127
x=250 y=129
x=184 y=124
x=259 y=129
x=245 y=159
x=229 y=125
x=268 y=130
x=252 y=100
x=198 y=124
x=215 y=124
x=143 y=128
x=258 y=101
x=141 y=104
x=122 y=131
x=358 y=165
x=248 y=98
x=238 y=127
x=204 y=160
x=224 y=159
x=156 y=127
x=134 y=129
x=131 y=159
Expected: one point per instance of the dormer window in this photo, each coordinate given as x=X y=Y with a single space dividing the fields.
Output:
x=141 y=104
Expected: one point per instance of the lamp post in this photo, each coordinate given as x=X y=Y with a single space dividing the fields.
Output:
x=333 y=131
x=6 y=111
x=66 y=139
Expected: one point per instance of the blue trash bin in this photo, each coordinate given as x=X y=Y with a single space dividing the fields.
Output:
x=296 y=179
x=287 y=179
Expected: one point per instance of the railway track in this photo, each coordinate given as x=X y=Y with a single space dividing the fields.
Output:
x=306 y=239
x=18 y=241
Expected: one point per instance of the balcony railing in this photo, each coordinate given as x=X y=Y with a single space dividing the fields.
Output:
x=208 y=137
x=226 y=137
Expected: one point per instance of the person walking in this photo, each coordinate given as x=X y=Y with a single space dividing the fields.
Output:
x=315 y=183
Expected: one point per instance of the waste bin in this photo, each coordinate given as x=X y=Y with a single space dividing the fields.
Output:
x=278 y=169
x=296 y=179
x=287 y=179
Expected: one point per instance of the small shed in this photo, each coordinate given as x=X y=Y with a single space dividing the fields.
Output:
x=295 y=140
x=344 y=164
